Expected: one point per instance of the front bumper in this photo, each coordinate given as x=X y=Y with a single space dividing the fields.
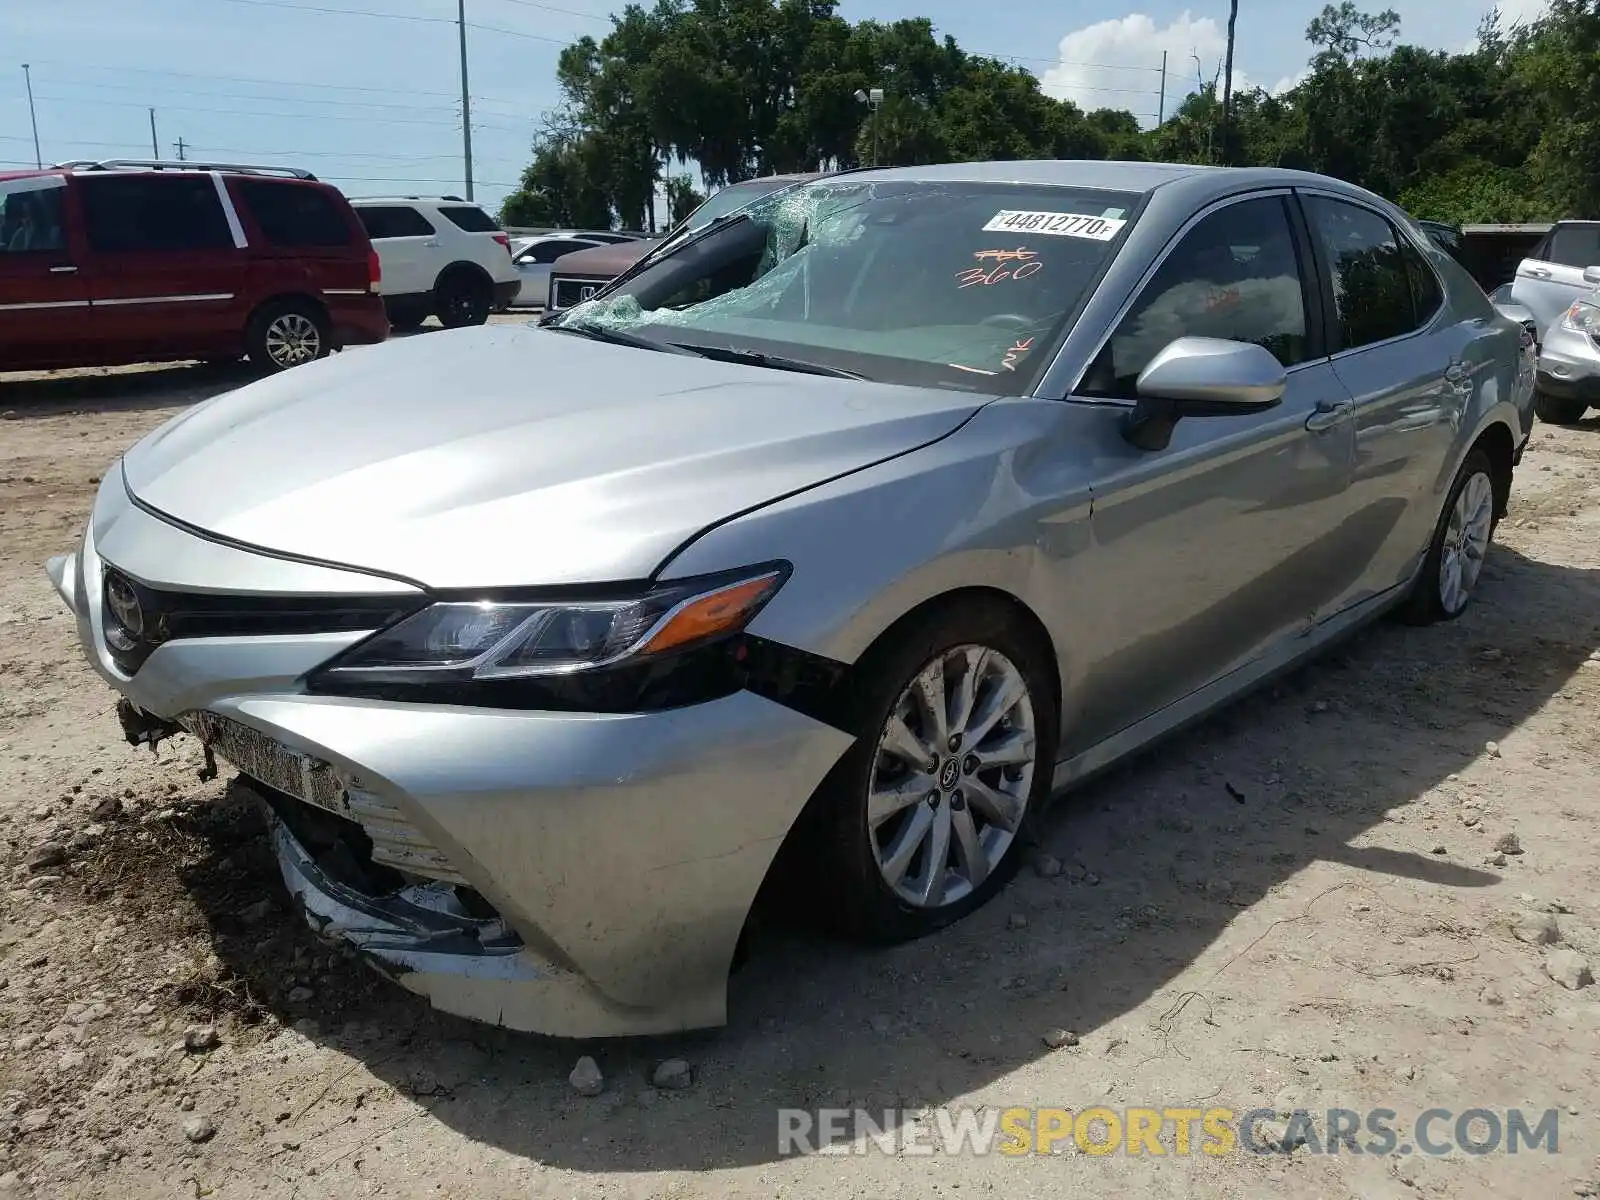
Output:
x=622 y=853
x=1569 y=364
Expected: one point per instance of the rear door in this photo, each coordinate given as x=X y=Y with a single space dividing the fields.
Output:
x=44 y=303
x=301 y=239
x=1408 y=369
x=405 y=241
x=1551 y=278
x=167 y=269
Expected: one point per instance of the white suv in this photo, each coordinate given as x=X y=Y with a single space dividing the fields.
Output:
x=442 y=256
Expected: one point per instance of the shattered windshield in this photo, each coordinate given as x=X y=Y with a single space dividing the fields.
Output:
x=902 y=281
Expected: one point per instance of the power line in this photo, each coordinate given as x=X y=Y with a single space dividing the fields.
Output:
x=144 y=90
x=394 y=16
x=296 y=83
x=246 y=112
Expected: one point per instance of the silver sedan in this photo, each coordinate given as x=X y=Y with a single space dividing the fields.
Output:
x=821 y=552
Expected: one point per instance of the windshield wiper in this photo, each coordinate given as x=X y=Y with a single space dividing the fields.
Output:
x=776 y=362
x=618 y=337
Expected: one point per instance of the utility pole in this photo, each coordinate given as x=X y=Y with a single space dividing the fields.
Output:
x=155 y=146
x=1227 y=89
x=179 y=147
x=27 y=76
x=1161 y=109
x=466 y=102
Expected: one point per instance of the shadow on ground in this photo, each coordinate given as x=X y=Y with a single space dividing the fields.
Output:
x=1163 y=855
x=135 y=389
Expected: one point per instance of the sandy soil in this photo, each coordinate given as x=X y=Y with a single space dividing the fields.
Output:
x=1298 y=904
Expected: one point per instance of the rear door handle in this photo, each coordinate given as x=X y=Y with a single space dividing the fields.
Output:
x=69 y=270
x=432 y=243
x=1539 y=272
x=1328 y=413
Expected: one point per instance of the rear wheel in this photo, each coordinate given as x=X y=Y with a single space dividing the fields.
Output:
x=463 y=298
x=1558 y=410
x=926 y=817
x=288 y=333
x=1460 y=544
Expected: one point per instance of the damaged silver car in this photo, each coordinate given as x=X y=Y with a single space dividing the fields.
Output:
x=817 y=554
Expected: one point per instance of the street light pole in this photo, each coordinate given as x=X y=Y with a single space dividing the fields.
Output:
x=873 y=98
x=155 y=146
x=27 y=77
x=466 y=103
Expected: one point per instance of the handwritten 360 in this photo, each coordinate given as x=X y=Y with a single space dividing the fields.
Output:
x=998 y=265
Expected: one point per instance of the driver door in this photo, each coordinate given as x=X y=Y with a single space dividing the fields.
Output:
x=1220 y=548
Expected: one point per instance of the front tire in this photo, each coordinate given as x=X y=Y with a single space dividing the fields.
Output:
x=288 y=333
x=1558 y=410
x=928 y=814
x=1461 y=540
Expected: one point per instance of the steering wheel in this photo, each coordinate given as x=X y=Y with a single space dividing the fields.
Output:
x=1017 y=319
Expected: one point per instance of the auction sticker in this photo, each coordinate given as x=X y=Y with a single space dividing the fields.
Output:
x=1056 y=224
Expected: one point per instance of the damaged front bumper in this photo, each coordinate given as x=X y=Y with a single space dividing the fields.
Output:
x=572 y=874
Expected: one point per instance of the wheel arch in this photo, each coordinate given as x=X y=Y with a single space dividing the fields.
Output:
x=296 y=297
x=1497 y=442
x=460 y=268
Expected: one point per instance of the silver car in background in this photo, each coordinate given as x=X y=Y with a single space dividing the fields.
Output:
x=819 y=555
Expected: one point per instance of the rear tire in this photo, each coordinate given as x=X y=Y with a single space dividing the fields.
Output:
x=288 y=333
x=856 y=860
x=1461 y=540
x=463 y=297
x=1558 y=410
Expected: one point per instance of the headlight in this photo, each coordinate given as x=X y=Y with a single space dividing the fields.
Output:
x=1582 y=317
x=531 y=653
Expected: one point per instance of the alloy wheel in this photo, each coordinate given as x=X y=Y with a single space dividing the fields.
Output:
x=1466 y=542
x=293 y=338
x=951 y=776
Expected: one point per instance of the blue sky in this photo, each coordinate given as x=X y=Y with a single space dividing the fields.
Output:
x=372 y=103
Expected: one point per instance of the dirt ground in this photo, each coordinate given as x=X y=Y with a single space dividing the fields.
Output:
x=1296 y=905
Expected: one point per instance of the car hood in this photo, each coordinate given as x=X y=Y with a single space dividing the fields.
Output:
x=507 y=456
x=603 y=261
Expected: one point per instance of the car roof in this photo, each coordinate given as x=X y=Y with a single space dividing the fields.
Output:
x=358 y=201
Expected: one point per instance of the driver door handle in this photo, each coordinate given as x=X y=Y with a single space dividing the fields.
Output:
x=1328 y=413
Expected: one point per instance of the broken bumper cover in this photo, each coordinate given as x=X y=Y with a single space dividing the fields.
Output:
x=616 y=855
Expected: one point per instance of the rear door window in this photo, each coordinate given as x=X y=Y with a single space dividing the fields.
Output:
x=469 y=217
x=294 y=214
x=1374 y=292
x=385 y=221
x=153 y=213
x=1574 y=246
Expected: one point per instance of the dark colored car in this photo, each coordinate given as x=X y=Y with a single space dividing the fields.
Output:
x=143 y=261
x=576 y=277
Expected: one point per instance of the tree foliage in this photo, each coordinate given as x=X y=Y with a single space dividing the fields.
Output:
x=1509 y=130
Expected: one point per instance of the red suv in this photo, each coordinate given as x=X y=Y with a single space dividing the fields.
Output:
x=135 y=261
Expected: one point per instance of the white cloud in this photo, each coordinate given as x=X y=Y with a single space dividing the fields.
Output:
x=1117 y=63
x=1288 y=83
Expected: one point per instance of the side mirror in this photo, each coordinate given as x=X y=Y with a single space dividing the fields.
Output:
x=1591 y=274
x=1202 y=377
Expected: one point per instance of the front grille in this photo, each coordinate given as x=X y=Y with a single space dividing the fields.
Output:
x=567 y=292
x=395 y=841
x=138 y=618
